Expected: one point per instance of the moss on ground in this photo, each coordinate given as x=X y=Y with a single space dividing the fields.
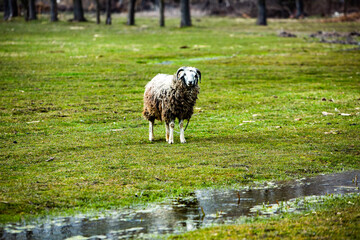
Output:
x=72 y=135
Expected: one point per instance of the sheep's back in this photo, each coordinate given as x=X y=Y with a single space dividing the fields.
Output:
x=159 y=85
x=155 y=92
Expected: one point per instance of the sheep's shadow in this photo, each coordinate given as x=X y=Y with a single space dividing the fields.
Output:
x=236 y=138
x=210 y=140
x=233 y=139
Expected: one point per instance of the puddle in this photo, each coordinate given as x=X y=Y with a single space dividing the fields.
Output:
x=204 y=208
x=198 y=59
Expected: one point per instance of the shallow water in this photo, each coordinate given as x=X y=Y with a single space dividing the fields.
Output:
x=198 y=59
x=204 y=208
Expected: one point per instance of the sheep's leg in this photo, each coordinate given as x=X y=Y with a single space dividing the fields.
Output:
x=171 y=132
x=182 y=136
x=167 y=131
x=151 y=131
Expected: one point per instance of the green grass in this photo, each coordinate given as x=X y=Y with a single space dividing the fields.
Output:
x=72 y=134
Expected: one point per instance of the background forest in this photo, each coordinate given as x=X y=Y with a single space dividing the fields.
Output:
x=244 y=8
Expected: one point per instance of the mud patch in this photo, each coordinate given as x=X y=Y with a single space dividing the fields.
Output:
x=352 y=38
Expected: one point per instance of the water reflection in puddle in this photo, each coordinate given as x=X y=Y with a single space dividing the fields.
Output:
x=198 y=59
x=204 y=208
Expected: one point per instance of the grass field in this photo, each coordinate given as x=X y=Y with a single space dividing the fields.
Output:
x=72 y=134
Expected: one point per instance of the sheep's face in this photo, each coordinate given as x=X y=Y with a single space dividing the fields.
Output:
x=189 y=75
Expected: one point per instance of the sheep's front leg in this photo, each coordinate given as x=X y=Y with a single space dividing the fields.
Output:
x=167 y=131
x=151 y=131
x=182 y=135
x=171 y=132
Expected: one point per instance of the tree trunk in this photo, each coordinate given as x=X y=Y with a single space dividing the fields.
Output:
x=97 y=2
x=78 y=11
x=329 y=7
x=299 y=8
x=53 y=11
x=131 y=13
x=162 y=15
x=108 y=12
x=15 y=8
x=261 y=18
x=25 y=4
x=7 y=10
x=10 y=9
x=32 y=10
x=185 y=13
x=345 y=7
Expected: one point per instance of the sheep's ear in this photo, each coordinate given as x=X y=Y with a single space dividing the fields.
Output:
x=180 y=73
x=199 y=74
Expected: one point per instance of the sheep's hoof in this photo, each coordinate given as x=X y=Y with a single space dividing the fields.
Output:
x=184 y=141
x=170 y=142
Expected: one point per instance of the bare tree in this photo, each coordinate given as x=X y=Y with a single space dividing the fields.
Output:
x=162 y=15
x=299 y=8
x=108 y=12
x=14 y=6
x=25 y=4
x=131 y=13
x=7 y=10
x=185 y=13
x=32 y=10
x=10 y=9
x=262 y=16
x=345 y=7
x=53 y=11
x=78 y=11
x=329 y=7
x=97 y=3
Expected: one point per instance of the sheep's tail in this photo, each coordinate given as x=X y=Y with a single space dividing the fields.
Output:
x=187 y=125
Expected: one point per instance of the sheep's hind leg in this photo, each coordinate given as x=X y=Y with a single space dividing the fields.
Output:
x=151 y=131
x=171 y=134
x=167 y=131
x=182 y=132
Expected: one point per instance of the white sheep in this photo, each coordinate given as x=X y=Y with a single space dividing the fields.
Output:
x=168 y=97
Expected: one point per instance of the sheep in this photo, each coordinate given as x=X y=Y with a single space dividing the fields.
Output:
x=168 y=97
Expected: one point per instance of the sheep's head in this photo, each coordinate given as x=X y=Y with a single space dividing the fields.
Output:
x=189 y=76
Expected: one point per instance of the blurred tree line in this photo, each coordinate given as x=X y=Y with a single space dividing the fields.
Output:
x=244 y=8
